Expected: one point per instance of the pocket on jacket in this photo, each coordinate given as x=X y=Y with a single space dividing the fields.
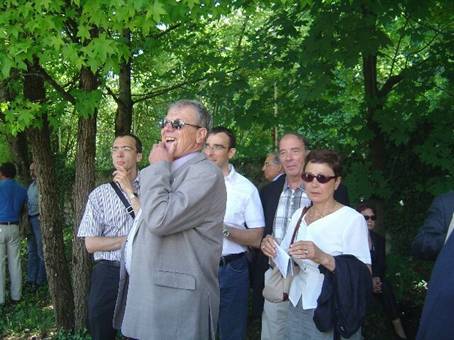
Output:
x=174 y=280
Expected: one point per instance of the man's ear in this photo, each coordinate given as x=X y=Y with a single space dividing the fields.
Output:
x=231 y=153
x=201 y=136
x=139 y=157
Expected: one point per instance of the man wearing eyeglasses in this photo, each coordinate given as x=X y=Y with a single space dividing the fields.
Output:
x=280 y=199
x=272 y=167
x=108 y=217
x=243 y=227
x=169 y=289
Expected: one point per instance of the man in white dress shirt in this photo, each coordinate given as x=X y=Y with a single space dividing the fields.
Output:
x=243 y=227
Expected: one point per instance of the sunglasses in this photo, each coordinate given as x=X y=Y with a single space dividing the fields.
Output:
x=176 y=124
x=320 y=178
x=373 y=217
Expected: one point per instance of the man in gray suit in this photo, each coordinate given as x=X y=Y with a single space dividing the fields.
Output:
x=173 y=250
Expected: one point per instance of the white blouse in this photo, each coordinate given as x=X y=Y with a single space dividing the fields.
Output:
x=341 y=232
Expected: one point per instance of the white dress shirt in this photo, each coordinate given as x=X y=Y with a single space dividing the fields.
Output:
x=243 y=208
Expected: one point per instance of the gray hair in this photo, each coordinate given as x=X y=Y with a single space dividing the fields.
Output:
x=276 y=160
x=299 y=136
x=205 y=120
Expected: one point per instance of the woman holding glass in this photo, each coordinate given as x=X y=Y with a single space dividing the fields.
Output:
x=327 y=229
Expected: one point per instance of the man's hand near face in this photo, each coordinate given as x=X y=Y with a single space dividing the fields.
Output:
x=162 y=152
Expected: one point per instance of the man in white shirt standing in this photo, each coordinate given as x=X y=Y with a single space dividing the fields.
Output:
x=243 y=227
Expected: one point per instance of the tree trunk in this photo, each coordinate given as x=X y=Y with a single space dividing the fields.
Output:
x=58 y=274
x=374 y=104
x=84 y=183
x=123 y=118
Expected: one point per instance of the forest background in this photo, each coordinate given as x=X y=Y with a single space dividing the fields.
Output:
x=370 y=79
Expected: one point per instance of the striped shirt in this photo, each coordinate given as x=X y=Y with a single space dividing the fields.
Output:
x=289 y=201
x=105 y=215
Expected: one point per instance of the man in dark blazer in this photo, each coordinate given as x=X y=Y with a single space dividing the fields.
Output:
x=431 y=242
x=292 y=152
x=432 y=235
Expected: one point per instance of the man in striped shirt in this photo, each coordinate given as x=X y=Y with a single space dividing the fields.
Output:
x=105 y=226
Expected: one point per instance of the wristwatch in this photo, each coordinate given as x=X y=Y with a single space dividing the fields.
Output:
x=226 y=232
x=132 y=195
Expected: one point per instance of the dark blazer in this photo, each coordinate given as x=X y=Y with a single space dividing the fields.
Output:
x=436 y=319
x=345 y=294
x=378 y=255
x=269 y=195
x=432 y=234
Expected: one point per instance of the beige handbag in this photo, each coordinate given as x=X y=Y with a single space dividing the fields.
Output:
x=276 y=287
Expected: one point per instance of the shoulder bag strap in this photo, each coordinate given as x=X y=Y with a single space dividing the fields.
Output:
x=122 y=197
x=298 y=224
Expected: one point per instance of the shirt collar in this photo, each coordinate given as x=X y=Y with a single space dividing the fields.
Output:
x=231 y=176
x=286 y=186
x=183 y=159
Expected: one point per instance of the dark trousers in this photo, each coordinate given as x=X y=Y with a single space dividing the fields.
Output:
x=102 y=298
x=388 y=301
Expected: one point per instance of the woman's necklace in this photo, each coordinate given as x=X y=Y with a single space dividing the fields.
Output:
x=314 y=215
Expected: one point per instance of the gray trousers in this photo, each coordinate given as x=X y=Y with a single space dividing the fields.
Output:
x=9 y=249
x=302 y=326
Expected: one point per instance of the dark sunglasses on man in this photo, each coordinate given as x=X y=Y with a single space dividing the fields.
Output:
x=372 y=217
x=176 y=124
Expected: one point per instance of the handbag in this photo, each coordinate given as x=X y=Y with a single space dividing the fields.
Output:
x=276 y=287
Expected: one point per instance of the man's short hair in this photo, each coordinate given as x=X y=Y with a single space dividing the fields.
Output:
x=203 y=114
x=228 y=132
x=8 y=169
x=136 y=139
x=297 y=135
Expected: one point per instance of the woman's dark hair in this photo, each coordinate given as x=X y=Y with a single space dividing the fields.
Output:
x=365 y=205
x=329 y=157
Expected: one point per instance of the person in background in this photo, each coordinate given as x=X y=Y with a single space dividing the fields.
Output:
x=381 y=288
x=433 y=233
x=104 y=226
x=12 y=201
x=435 y=240
x=272 y=167
x=36 y=271
x=327 y=231
x=243 y=227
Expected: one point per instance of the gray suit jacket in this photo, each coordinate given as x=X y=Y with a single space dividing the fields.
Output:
x=173 y=290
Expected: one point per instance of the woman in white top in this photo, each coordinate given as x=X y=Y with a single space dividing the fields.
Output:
x=327 y=229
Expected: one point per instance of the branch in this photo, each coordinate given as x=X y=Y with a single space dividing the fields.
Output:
x=114 y=96
x=162 y=33
x=65 y=94
x=164 y=90
x=389 y=85
x=397 y=48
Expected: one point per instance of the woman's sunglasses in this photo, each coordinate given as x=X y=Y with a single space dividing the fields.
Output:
x=320 y=178
x=373 y=217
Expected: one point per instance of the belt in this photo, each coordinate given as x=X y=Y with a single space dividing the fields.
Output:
x=229 y=258
x=35 y=215
x=109 y=263
x=10 y=223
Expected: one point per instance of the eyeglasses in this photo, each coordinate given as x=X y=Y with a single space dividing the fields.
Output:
x=115 y=149
x=176 y=124
x=214 y=147
x=320 y=178
x=372 y=217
